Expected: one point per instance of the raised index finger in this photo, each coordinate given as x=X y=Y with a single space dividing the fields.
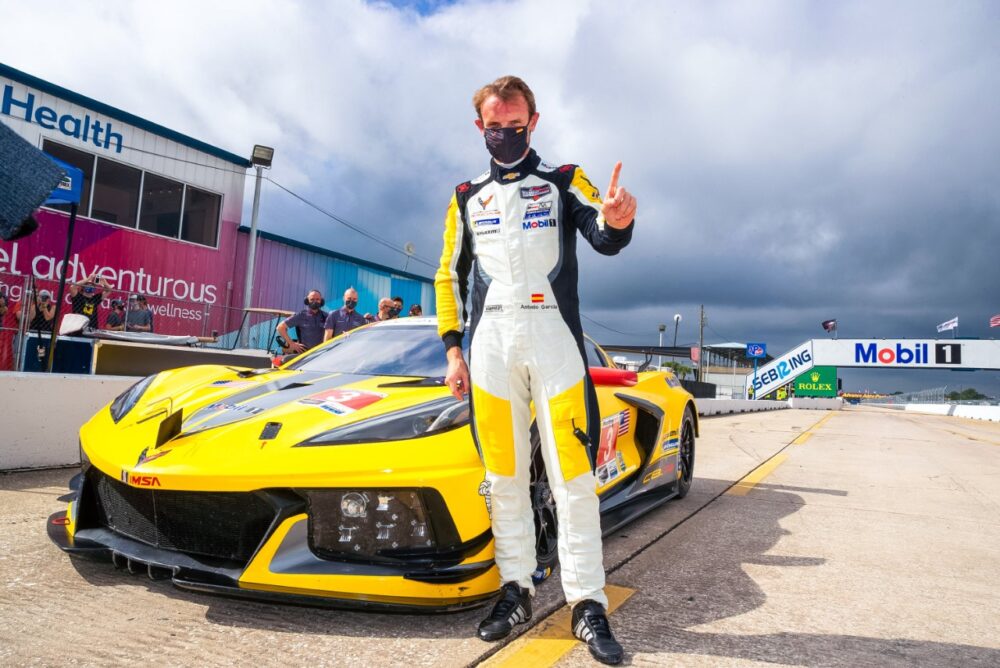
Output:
x=614 y=180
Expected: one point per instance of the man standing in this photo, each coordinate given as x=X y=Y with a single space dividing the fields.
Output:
x=116 y=319
x=397 y=307
x=309 y=322
x=345 y=318
x=87 y=295
x=515 y=229
x=138 y=318
x=385 y=311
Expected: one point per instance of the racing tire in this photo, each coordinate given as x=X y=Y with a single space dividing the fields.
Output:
x=543 y=507
x=685 y=456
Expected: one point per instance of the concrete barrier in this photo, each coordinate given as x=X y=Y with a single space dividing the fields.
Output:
x=817 y=403
x=45 y=413
x=990 y=413
x=708 y=407
x=931 y=409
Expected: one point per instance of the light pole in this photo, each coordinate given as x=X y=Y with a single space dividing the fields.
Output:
x=677 y=321
x=260 y=159
x=662 y=329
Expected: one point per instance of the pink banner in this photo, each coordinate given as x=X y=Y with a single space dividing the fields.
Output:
x=187 y=285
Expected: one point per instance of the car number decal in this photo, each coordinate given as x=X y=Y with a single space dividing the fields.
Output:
x=342 y=402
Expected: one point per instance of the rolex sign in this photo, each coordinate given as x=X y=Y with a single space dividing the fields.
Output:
x=820 y=381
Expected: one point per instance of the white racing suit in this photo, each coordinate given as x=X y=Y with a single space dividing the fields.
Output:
x=515 y=230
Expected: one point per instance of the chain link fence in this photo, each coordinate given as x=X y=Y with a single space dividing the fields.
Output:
x=27 y=310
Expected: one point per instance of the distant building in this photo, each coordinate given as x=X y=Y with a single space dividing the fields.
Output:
x=160 y=216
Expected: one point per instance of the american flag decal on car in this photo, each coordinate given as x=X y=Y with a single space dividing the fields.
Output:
x=623 y=423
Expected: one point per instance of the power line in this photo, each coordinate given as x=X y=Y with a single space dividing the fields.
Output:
x=307 y=202
x=351 y=226
x=611 y=329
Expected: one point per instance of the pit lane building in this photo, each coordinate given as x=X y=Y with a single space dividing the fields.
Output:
x=160 y=215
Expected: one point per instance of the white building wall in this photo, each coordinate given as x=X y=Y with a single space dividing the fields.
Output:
x=140 y=148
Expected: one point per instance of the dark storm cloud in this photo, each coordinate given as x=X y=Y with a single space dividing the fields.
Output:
x=793 y=161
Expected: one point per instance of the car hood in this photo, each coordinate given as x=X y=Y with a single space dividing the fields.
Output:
x=197 y=425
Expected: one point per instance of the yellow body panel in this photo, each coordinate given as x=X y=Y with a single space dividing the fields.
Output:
x=235 y=458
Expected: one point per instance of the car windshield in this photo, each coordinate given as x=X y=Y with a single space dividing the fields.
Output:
x=393 y=350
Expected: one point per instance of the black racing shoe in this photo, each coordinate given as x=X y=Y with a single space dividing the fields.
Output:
x=590 y=624
x=514 y=607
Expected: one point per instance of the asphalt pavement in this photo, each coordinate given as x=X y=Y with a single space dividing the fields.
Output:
x=860 y=537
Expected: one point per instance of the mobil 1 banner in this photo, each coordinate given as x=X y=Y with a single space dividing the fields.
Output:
x=908 y=353
x=780 y=371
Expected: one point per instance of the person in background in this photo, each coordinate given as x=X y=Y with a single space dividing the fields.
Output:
x=116 y=319
x=87 y=295
x=385 y=308
x=345 y=318
x=139 y=318
x=41 y=312
x=416 y=311
x=397 y=307
x=309 y=323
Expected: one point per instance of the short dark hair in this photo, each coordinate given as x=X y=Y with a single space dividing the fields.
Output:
x=506 y=88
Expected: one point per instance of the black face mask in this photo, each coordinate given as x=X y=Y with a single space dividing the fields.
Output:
x=314 y=306
x=394 y=311
x=350 y=304
x=506 y=145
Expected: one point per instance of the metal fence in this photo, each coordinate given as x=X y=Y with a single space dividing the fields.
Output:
x=217 y=325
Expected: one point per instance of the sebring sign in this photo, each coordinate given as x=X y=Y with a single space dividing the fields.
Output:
x=878 y=354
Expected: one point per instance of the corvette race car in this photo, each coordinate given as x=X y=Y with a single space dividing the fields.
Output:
x=346 y=477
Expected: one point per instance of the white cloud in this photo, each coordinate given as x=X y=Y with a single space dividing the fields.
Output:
x=855 y=134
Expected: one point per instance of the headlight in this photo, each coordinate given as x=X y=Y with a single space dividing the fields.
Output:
x=373 y=523
x=423 y=420
x=129 y=398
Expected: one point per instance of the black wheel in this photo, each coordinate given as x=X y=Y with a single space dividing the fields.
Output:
x=685 y=458
x=543 y=505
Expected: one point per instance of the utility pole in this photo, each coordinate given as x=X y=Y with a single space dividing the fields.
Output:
x=701 y=344
x=659 y=363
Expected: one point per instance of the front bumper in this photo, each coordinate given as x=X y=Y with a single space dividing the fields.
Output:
x=283 y=568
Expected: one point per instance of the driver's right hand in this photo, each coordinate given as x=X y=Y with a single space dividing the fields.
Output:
x=457 y=378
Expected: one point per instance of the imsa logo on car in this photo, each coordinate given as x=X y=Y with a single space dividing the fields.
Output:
x=137 y=480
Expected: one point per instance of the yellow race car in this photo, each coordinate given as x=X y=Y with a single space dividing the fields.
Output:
x=346 y=477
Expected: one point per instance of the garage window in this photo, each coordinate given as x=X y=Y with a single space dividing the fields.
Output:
x=116 y=193
x=81 y=160
x=162 y=200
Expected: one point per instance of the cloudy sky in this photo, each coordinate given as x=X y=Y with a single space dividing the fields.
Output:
x=793 y=161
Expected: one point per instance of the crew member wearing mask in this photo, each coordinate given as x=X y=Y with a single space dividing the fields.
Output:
x=515 y=229
x=345 y=318
x=308 y=322
x=387 y=310
x=397 y=307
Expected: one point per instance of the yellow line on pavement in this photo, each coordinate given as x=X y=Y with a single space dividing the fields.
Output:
x=802 y=438
x=807 y=434
x=751 y=479
x=548 y=642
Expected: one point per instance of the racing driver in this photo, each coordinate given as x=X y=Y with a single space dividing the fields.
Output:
x=514 y=228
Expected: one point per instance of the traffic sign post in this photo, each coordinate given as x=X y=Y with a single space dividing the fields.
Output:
x=756 y=351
